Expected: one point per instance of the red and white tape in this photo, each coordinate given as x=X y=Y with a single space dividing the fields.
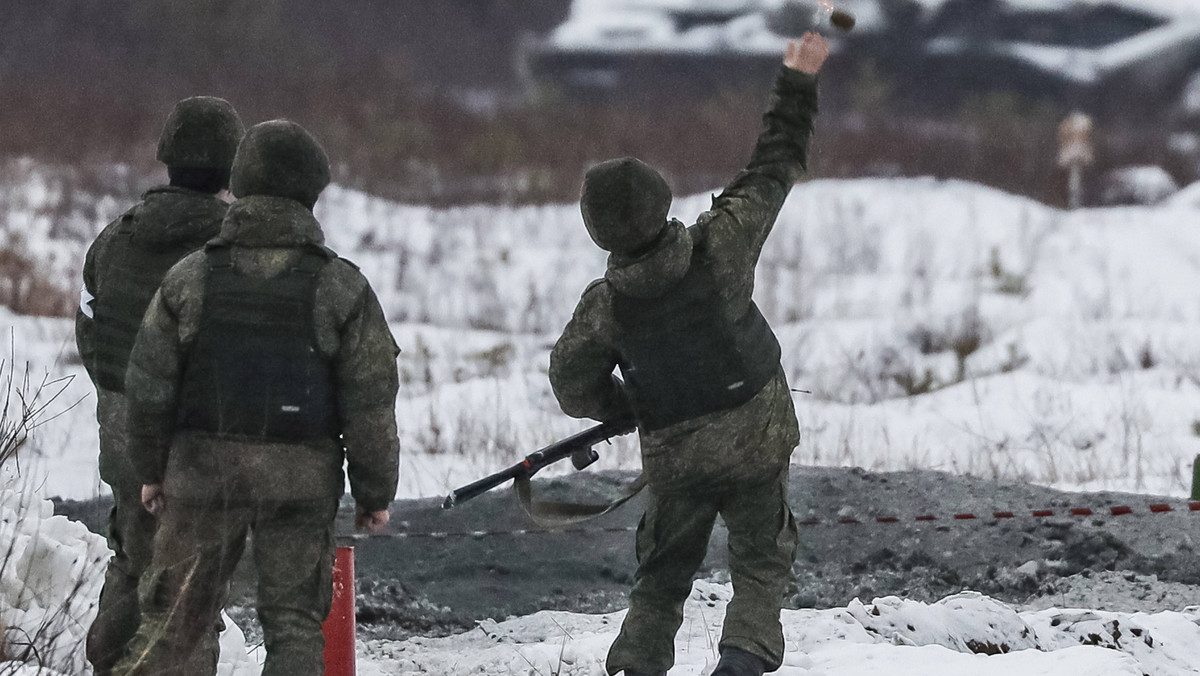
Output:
x=1118 y=510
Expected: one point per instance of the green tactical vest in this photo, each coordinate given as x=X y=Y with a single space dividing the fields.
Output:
x=254 y=368
x=133 y=270
x=681 y=358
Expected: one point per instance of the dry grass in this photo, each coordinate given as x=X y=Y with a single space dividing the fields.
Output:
x=27 y=291
x=25 y=406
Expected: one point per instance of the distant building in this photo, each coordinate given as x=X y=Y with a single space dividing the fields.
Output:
x=936 y=53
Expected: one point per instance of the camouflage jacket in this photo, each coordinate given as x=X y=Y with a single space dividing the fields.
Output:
x=267 y=235
x=165 y=214
x=756 y=438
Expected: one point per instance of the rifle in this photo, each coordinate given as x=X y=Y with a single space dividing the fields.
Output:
x=578 y=447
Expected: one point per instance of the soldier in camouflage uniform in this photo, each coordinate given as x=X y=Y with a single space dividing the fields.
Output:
x=703 y=379
x=123 y=269
x=264 y=362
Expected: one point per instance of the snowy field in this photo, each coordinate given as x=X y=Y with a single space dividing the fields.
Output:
x=938 y=325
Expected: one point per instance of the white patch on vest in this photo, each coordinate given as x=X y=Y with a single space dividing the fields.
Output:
x=85 y=303
x=736 y=385
x=289 y=409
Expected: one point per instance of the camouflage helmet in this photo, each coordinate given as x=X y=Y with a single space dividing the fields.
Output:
x=282 y=159
x=624 y=204
x=202 y=132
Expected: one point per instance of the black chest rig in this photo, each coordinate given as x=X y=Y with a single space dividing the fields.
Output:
x=254 y=368
x=131 y=274
x=682 y=358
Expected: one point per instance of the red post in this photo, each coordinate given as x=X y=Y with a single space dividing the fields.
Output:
x=339 y=626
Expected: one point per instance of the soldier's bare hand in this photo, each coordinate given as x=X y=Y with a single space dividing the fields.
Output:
x=807 y=54
x=153 y=498
x=370 y=521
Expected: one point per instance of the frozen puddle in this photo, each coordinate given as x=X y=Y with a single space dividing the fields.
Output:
x=965 y=633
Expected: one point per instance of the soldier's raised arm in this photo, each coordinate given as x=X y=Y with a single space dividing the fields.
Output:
x=742 y=216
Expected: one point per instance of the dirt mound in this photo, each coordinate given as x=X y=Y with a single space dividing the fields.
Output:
x=439 y=571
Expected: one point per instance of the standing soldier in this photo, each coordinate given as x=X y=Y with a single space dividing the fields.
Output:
x=123 y=269
x=703 y=379
x=263 y=363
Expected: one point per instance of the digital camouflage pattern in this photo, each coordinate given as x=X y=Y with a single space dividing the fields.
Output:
x=197 y=548
x=267 y=235
x=281 y=159
x=201 y=132
x=672 y=539
x=218 y=488
x=721 y=461
x=166 y=218
x=624 y=204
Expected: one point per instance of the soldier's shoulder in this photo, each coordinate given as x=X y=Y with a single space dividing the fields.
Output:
x=341 y=267
x=185 y=279
x=190 y=269
x=595 y=304
x=342 y=278
x=115 y=225
x=599 y=291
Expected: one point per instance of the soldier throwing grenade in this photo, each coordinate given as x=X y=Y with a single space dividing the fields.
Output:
x=703 y=379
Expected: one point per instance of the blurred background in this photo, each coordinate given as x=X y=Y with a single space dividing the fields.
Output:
x=508 y=101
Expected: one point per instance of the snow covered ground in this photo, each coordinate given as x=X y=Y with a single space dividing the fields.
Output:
x=964 y=633
x=51 y=571
x=938 y=325
x=50 y=581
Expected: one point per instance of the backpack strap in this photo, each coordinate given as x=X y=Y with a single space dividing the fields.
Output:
x=219 y=255
x=125 y=228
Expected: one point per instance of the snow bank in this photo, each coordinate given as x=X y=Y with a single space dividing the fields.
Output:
x=964 y=633
x=51 y=572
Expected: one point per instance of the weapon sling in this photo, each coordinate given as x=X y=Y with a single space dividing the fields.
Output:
x=554 y=514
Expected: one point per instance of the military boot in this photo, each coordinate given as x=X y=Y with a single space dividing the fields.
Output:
x=737 y=662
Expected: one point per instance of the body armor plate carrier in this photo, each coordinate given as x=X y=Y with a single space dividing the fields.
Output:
x=254 y=368
x=682 y=358
x=125 y=292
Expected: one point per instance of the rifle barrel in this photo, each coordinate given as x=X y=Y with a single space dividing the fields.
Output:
x=477 y=488
x=541 y=458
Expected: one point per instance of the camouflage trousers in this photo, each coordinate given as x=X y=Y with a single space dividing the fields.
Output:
x=672 y=540
x=131 y=539
x=130 y=536
x=196 y=551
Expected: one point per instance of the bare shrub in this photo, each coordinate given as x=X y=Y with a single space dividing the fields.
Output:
x=968 y=337
x=1007 y=282
x=25 y=406
x=1146 y=358
x=914 y=384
